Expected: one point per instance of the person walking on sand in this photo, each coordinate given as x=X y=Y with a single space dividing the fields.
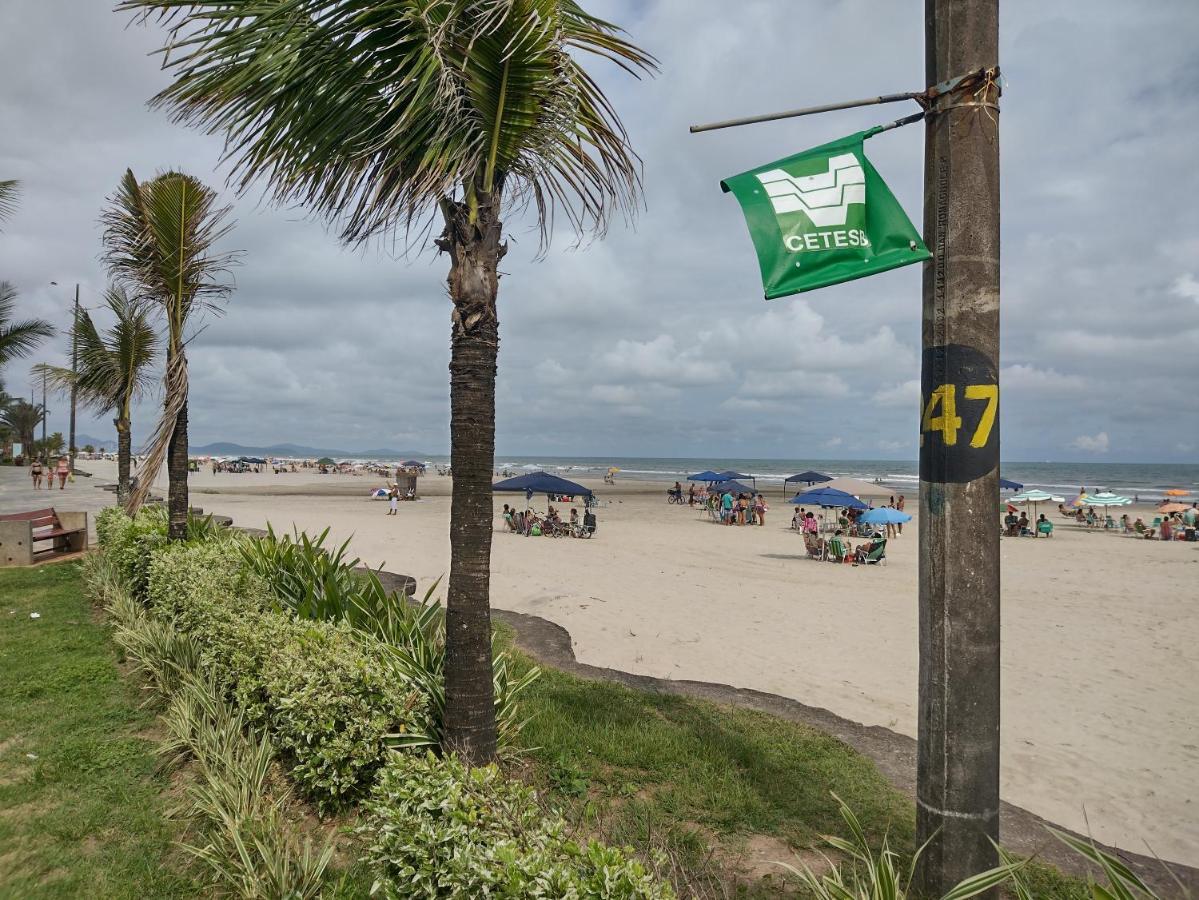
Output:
x=393 y=499
x=35 y=472
x=899 y=506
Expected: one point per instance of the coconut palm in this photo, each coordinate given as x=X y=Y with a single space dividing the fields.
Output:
x=21 y=419
x=17 y=339
x=158 y=242
x=384 y=114
x=113 y=369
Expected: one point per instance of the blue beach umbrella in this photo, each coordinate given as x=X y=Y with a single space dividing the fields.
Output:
x=828 y=497
x=1005 y=485
x=884 y=515
x=708 y=475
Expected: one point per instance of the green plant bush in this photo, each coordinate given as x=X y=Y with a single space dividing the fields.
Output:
x=324 y=583
x=130 y=544
x=328 y=695
x=436 y=829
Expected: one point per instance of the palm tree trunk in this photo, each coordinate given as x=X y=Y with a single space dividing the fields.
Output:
x=475 y=251
x=124 y=454
x=177 y=478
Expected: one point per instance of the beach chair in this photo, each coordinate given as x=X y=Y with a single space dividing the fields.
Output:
x=813 y=545
x=835 y=550
x=875 y=556
x=1045 y=528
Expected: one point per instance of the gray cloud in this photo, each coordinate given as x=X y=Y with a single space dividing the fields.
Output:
x=640 y=343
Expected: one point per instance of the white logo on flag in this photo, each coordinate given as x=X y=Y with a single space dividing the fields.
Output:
x=824 y=197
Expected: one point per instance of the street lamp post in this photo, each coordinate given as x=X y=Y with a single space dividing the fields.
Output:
x=74 y=372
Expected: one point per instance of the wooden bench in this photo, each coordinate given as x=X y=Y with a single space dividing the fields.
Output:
x=19 y=532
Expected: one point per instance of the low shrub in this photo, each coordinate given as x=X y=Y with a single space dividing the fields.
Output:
x=130 y=544
x=248 y=849
x=330 y=696
x=436 y=829
x=325 y=584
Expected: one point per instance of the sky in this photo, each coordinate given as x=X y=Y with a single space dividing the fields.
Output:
x=655 y=340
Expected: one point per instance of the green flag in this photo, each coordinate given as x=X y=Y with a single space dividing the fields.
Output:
x=822 y=217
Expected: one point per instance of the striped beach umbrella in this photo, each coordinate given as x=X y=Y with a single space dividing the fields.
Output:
x=1107 y=498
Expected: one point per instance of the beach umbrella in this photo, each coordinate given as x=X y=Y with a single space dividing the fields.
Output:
x=707 y=475
x=1168 y=508
x=1034 y=497
x=1107 y=498
x=857 y=487
x=884 y=515
x=379 y=494
x=829 y=497
x=1005 y=485
x=730 y=475
x=1176 y=492
x=325 y=461
x=413 y=464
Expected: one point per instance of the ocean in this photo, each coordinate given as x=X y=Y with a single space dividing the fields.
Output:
x=1145 y=481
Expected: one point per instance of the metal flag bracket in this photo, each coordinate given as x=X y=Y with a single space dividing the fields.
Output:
x=985 y=85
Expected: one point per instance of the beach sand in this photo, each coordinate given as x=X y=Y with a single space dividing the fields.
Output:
x=1100 y=632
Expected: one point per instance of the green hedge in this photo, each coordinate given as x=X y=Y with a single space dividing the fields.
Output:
x=436 y=829
x=333 y=702
x=324 y=691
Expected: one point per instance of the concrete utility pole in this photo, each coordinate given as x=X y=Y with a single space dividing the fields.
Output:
x=958 y=756
x=74 y=372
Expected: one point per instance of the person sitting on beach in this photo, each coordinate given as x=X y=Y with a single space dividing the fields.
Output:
x=1044 y=526
x=1092 y=519
x=864 y=550
x=509 y=520
x=1011 y=524
x=574 y=517
x=810 y=525
x=1022 y=524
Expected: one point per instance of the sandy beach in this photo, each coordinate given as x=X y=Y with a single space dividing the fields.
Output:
x=1100 y=632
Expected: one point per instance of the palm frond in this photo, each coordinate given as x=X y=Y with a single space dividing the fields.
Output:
x=160 y=238
x=112 y=369
x=18 y=339
x=373 y=112
x=8 y=200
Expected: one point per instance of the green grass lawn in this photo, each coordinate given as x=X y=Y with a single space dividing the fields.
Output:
x=81 y=808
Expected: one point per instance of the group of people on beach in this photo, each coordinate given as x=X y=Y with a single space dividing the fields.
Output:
x=725 y=506
x=530 y=524
x=37 y=471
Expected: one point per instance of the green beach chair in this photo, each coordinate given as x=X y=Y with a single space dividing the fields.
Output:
x=836 y=550
x=877 y=555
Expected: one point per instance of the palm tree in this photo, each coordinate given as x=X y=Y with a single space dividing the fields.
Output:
x=17 y=339
x=21 y=418
x=113 y=370
x=158 y=240
x=382 y=114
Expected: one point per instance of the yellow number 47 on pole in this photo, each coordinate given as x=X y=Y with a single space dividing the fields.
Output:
x=948 y=422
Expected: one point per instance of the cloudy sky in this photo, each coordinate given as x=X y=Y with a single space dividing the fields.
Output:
x=656 y=340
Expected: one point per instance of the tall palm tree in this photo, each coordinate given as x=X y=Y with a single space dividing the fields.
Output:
x=17 y=339
x=21 y=418
x=113 y=369
x=158 y=241
x=382 y=114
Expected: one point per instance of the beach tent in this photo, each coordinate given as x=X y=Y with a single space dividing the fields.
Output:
x=541 y=483
x=737 y=476
x=707 y=475
x=884 y=515
x=379 y=494
x=736 y=487
x=809 y=478
x=858 y=488
x=1005 y=485
x=413 y=464
x=830 y=497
